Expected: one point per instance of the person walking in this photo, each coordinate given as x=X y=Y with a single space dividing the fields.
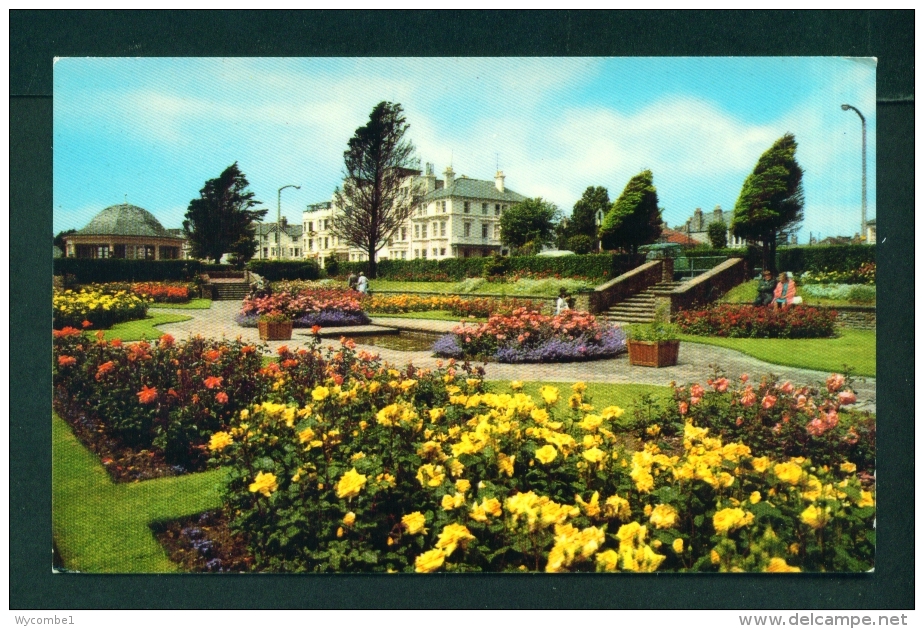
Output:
x=784 y=292
x=351 y=280
x=561 y=304
x=362 y=283
x=765 y=287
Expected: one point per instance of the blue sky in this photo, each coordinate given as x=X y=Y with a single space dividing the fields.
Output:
x=156 y=129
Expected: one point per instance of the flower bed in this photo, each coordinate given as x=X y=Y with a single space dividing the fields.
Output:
x=526 y=336
x=92 y=307
x=864 y=274
x=456 y=305
x=307 y=307
x=370 y=478
x=164 y=292
x=744 y=321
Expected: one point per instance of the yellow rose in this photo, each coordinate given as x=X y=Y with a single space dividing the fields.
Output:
x=647 y=510
x=340 y=531
x=463 y=485
x=453 y=535
x=430 y=561
x=320 y=393
x=350 y=484
x=788 y=472
x=549 y=395
x=594 y=455
x=578 y=387
x=452 y=502
x=491 y=506
x=220 y=441
x=505 y=463
x=815 y=517
x=866 y=499
x=714 y=556
x=349 y=518
x=414 y=523
x=617 y=507
x=779 y=565
x=436 y=414
x=546 y=454
x=264 y=483
x=755 y=497
x=678 y=546
x=430 y=475
x=848 y=467
x=728 y=520
x=612 y=412
x=306 y=435
x=607 y=561
x=664 y=517
x=590 y=423
x=516 y=385
x=760 y=464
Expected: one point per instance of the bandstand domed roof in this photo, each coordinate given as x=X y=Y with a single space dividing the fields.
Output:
x=125 y=220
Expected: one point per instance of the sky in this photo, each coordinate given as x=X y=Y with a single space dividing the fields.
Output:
x=154 y=130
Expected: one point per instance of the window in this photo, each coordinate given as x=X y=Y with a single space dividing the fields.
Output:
x=311 y=226
x=296 y=252
x=265 y=254
x=416 y=231
x=484 y=208
x=416 y=253
x=434 y=229
x=276 y=237
x=311 y=244
x=465 y=207
x=423 y=253
x=497 y=209
x=404 y=255
x=484 y=230
x=467 y=230
x=444 y=207
x=423 y=230
x=326 y=223
x=497 y=232
x=404 y=233
x=434 y=252
x=326 y=243
x=442 y=228
x=443 y=251
x=273 y=252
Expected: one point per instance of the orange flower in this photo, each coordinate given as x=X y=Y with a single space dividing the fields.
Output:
x=67 y=331
x=248 y=349
x=65 y=361
x=166 y=341
x=211 y=355
x=282 y=350
x=105 y=368
x=116 y=342
x=86 y=323
x=213 y=381
x=221 y=397
x=147 y=395
x=315 y=329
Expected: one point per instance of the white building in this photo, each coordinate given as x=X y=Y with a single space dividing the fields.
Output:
x=269 y=246
x=697 y=227
x=458 y=217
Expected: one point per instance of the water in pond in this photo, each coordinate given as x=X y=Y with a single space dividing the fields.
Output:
x=404 y=341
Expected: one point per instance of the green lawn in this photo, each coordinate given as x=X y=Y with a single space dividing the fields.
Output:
x=855 y=348
x=525 y=287
x=101 y=526
x=747 y=292
x=142 y=328
x=438 y=315
x=192 y=304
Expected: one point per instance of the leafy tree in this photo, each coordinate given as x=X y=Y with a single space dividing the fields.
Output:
x=220 y=221
x=771 y=199
x=376 y=198
x=635 y=218
x=718 y=234
x=59 y=239
x=584 y=214
x=529 y=224
x=581 y=243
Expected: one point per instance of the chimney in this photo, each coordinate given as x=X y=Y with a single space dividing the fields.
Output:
x=284 y=222
x=717 y=215
x=499 y=181
x=449 y=175
x=430 y=178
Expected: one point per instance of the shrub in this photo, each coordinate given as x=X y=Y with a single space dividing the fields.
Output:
x=96 y=308
x=495 y=266
x=528 y=336
x=276 y=270
x=405 y=472
x=307 y=307
x=825 y=258
x=580 y=244
x=744 y=321
x=164 y=292
x=859 y=294
x=332 y=266
x=90 y=271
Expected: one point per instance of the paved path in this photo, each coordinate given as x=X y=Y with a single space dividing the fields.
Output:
x=695 y=362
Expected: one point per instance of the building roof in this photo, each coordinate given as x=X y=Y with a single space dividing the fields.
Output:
x=474 y=189
x=292 y=230
x=674 y=236
x=125 y=220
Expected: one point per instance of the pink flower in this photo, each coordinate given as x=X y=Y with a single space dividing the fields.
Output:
x=787 y=388
x=684 y=407
x=748 y=398
x=768 y=401
x=744 y=377
x=721 y=385
x=800 y=401
x=834 y=382
x=739 y=421
x=696 y=391
x=695 y=400
x=846 y=397
x=221 y=397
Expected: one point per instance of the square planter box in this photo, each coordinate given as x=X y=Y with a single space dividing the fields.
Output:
x=275 y=331
x=653 y=353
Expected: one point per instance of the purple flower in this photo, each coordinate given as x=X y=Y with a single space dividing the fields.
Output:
x=447 y=346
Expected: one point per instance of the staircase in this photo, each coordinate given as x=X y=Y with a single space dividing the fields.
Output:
x=640 y=308
x=229 y=291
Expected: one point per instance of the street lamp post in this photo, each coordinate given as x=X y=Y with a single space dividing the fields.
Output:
x=598 y=221
x=279 y=219
x=846 y=107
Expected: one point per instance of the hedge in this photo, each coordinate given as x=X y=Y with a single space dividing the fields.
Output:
x=276 y=270
x=597 y=266
x=825 y=258
x=93 y=270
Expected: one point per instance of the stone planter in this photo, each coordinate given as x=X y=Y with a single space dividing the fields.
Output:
x=653 y=353
x=275 y=331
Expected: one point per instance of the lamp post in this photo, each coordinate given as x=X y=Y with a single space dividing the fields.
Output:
x=847 y=107
x=279 y=219
x=598 y=221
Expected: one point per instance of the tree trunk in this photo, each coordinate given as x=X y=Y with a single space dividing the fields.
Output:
x=372 y=264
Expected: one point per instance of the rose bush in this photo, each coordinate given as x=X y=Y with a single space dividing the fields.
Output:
x=96 y=308
x=164 y=292
x=456 y=305
x=745 y=321
x=307 y=306
x=369 y=477
x=530 y=336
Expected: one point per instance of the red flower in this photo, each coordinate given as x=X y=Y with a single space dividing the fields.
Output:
x=282 y=350
x=116 y=342
x=211 y=355
x=147 y=395
x=221 y=397
x=248 y=349
x=213 y=381
x=66 y=361
x=64 y=332
x=86 y=323
x=315 y=329
x=166 y=341
x=288 y=364
x=103 y=369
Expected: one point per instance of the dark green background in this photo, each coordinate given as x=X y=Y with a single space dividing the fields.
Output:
x=37 y=37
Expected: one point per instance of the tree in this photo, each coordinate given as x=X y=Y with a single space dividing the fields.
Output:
x=59 y=239
x=635 y=218
x=220 y=220
x=771 y=199
x=528 y=225
x=376 y=198
x=718 y=234
x=581 y=244
x=584 y=214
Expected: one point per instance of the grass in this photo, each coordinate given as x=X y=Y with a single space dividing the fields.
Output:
x=142 y=328
x=521 y=288
x=438 y=315
x=747 y=292
x=192 y=304
x=101 y=526
x=855 y=348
